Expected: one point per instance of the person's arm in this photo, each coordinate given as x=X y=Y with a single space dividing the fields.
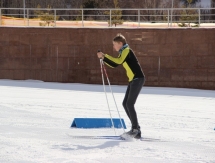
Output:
x=114 y=62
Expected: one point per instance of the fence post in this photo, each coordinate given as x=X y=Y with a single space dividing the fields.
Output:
x=171 y=16
x=168 y=18
x=110 y=19
x=55 y=13
x=28 y=16
x=199 y=16
x=0 y=16
x=139 y=17
x=82 y=17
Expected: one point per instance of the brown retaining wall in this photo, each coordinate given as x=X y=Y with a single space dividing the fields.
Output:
x=169 y=57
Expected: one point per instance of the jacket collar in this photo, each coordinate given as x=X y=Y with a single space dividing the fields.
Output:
x=124 y=46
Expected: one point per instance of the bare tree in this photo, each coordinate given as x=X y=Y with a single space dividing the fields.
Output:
x=150 y=15
x=213 y=10
x=75 y=3
x=1 y=3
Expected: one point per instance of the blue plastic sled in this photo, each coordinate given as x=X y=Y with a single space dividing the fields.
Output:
x=97 y=123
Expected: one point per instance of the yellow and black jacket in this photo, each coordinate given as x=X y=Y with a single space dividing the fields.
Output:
x=129 y=61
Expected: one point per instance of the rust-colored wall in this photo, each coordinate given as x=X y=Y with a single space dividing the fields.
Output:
x=169 y=57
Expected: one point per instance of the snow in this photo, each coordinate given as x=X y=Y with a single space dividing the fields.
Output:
x=35 y=119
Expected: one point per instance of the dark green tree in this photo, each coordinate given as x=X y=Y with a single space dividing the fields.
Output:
x=2 y=22
x=189 y=3
x=47 y=16
x=116 y=15
x=79 y=17
x=38 y=12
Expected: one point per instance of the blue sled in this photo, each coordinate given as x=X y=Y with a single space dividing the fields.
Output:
x=97 y=123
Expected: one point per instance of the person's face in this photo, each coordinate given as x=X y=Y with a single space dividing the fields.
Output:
x=117 y=45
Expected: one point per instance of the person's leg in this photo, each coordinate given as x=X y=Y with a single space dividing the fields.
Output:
x=134 y=90
x=124 y=103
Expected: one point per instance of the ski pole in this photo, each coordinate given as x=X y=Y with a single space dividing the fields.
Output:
x=112 y=94
x=106 y=96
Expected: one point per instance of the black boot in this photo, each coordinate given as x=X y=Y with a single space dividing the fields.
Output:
x=135 y=133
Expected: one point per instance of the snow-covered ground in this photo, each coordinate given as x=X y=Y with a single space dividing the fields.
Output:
x=35 y=119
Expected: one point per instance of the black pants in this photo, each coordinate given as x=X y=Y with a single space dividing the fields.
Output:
x=130 y=98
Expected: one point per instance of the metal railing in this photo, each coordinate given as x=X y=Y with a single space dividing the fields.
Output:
x=131 y=18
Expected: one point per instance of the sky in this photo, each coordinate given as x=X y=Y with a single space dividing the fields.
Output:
x=205 y=3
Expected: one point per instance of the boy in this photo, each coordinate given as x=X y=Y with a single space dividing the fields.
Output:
x=135 y=76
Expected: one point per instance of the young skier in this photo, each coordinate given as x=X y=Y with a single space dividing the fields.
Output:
x=135 y=75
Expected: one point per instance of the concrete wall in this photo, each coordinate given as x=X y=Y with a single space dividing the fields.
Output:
x=169 y=57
